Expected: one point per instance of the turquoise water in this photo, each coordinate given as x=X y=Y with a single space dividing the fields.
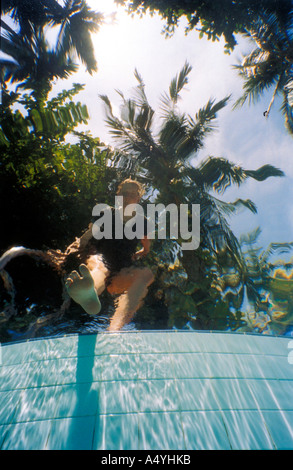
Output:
x=66 y=383
x=149 y=390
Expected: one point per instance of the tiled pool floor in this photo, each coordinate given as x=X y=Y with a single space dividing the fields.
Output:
x=147 y=390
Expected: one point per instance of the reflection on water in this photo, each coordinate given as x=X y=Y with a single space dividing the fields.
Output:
x=275 y=313
x=257 y=299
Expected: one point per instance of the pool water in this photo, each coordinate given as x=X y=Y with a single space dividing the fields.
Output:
x=147 y=390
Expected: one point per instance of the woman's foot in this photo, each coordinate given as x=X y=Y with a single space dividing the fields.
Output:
x=82 y=290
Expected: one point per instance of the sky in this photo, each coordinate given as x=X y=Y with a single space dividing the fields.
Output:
x=244 y=136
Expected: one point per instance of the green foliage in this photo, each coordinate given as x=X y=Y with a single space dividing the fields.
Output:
x=204 y=287
x=48 y=186
x=269 y=64
x=269 y=284
x=162 y=158
x=211 y=18
x=31 y=60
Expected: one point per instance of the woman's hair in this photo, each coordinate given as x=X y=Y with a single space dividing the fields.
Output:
x=138 y=185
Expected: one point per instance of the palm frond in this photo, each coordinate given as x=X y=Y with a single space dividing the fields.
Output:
x=139 y=92
x=107 y=102
x=275 y=248
x=178 y=83
x=219 y=173
x=216 y=232
x=251 y=237
x=269 y=65
x=232 y=208
x=77 y=24
x=266 y=171
x=287 y=106
x=170 y=99
x=205 y=117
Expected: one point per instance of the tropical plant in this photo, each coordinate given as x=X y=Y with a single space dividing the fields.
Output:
x=35 y=65
x=77 y=21
x=164 y=158
x=30 y=59
x=270 y=64
x=49 y=185
x=161 y=153
x=211 y=18
x=269 y=282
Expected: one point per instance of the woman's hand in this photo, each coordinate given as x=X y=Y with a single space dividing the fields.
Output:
x=146 y=243
x=139 y=254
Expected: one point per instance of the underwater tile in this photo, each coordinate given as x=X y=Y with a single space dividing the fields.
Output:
x=131 y=342
x=81 y=399
x=153 y=342
x=212 y=381
x=109 y=343
x=119 y=367
x=39 y=350
x=160 y=431
x=155 y=366
x=191 y=365
x=14 y=377
x=26 y=436
x=51 y=372
x=184 y=342
x=246 y=430
x=197 y=394
x=116 y=432
x=13 y=354
x=52 y=348
x=71 y=434
x=270 y=345
x=272 y=394
x=118 y=397
x=62 y=371
x=204 y=430
x=274 y=367
x=280 y=426
x=122 y=342
x=157 y=395
x=86 y=345
x=9 y=402
x=37 y=404
x=215 y=342
x=232 y=365
x=3 y=431
x=248 y=366
x=234 y=394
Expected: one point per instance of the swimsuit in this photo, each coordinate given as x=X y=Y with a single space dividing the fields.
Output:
x=117 y=253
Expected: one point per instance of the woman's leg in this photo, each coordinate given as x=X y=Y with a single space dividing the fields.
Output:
x=132 y=283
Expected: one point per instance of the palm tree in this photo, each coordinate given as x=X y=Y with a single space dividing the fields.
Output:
x=35 y=65
x=161 y=155
x=29 y=14
x=268 y=283
x=31 y=60
x=77 y=22
x=270 y=64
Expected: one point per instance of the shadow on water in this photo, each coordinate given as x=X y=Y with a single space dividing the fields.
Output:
x=86 y=397
x=49 y=398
